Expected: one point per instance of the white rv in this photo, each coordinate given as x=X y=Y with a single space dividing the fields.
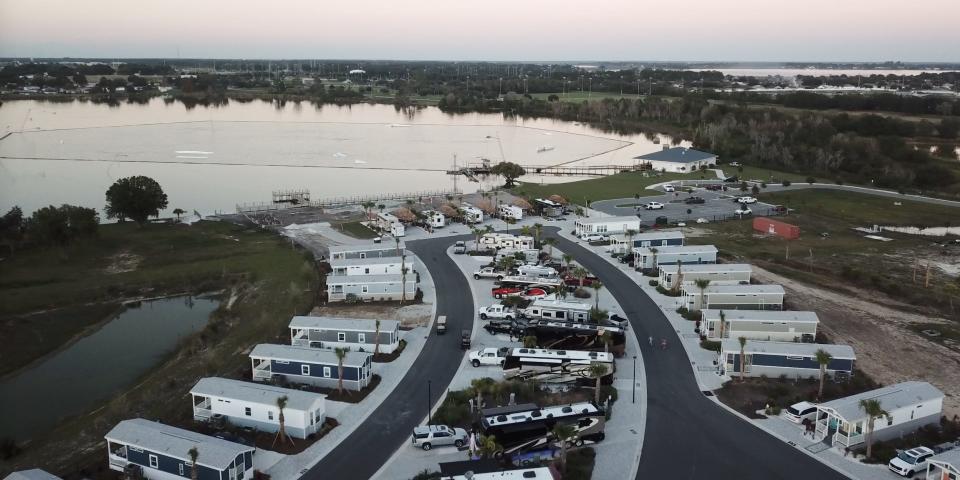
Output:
x=435 y=219
x=510 y=211
x=391 y=223
x=558 y=310
x=472 y=214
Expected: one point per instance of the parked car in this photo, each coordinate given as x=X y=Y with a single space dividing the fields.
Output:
x=377 y=239
x=575 y=282
x=653 y=206
x=535 y=293
x=595 y=238
x=501 y=292
x=713 y=187
x=511 y=327
x=488 y=272
x=779 y=209
x=488 y=356
x=669 y=188
x=798 y=412
x=702 y=220
x=746 y=200
x=460 y=247
x=464 y=339
x=441 y=324
x=429 y=436
x=907 y=463
x=694 y=200
x=742 y=211
x=497 y=311
x=734 y=164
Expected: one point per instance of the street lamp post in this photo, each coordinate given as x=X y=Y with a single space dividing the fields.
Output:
x=634 y=379
x=429 y=396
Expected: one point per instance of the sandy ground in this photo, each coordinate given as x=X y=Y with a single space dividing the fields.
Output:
x=408 y=315
x=886 y=349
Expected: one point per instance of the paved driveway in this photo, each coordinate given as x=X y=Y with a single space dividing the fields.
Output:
x=717 y=206
x=689 y=436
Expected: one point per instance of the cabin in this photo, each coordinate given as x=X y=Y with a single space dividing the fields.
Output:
x=32 y=474
x=910 y=405
x=558 y=310
x=161 y=452
x=354 y=333
x=434 y=219
x=605 y=225
x=677 y=160
x=717 y=273
x=309 y=366
x=368 y=266
x=657 y=238
x=738 y=297
x=769 y=325
x=944 y=466
x=388 y=222
x=510 y=212
x=506 y=240
x=254 y=405
x=371 y=287
x=650 y=258
x=773 y=359
x=340 y=252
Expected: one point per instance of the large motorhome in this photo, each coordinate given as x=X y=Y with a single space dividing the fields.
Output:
x=434 y=219
x=390 y=223
x=558 y=310
x=471 y=214
x=521 y=428
x=530 y=281
x=582 y=336
x=556 y=366
x=506 y=240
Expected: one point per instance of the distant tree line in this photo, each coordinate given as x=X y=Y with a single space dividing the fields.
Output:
x=49 y=226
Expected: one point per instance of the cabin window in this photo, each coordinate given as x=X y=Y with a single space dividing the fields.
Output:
x=547 y=314
x=269 y=414
x=794 y=357
x=363 y=255
x=364 y=289
x=247 y=411
x=890 y=419
x=366 y=271
x=154 y=463
x=181 y=469
x=305 y=370
x=361 y=337
x=341 y=336
x=326 y=372
x=561 y=315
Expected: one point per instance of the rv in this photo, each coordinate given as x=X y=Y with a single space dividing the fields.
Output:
x=531 y=256
x=471 y=214
x=530 y=281
x=434 y=219
x=510 y=212
x=520 y=428
x=558 y=310
x=390 y=223
x=506 y=240
x=556 y=366
x=537 y=271
x=583 y=336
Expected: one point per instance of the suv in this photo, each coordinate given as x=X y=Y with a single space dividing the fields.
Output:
x=489 y=356
x=501 y=292
x=464 y=339
x=909 y=462
x=511 y=327
x=429 y=436
x=596 y=237
x=653 y=206
x=746 y=200
x=669 y=188
x=488 y=272
x=460 y=247
x=798 y=412
x=742 y=211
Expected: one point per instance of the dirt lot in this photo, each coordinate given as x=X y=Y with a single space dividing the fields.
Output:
x=886 y=348
x=410 y=316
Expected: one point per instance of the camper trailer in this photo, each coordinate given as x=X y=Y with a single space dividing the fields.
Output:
x=510 y=212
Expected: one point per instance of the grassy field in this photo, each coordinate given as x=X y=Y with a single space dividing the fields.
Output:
x=578 y=96
x=356 y=230
x=621 y=185
x=748 y=172
x=265 y=282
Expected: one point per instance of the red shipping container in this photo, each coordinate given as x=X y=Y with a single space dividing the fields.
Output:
x=776 y=227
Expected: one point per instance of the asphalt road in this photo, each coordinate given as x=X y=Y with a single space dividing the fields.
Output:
x=717 y=206
x=362 y=453
x=687 y=435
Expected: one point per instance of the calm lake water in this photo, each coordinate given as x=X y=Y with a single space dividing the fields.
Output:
x=813 y=72
x=212 y=158
x=96 y=367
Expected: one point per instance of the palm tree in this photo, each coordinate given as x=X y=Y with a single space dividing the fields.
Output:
x=743 y=356
x=653 y=255
x=530 y=341
x=282 y=431
x=367 y=206
x=823 y=358
x=178 y=212
x=476 y=233
x=630 y=233
x=341 y=354
x=580 y=273
x=525 y=230
x=597 y=371
x=397 y=239
x=550 y=242
x=679 y=279
x=376 y=338
x=403 y=281
x=537 y=231
x=564 y=434
x=381 y=207
x=702 y=284
x=606 y=339
x=874 y=410
x=194 y=454
x=597 y=286
x=561 y=292
x=488 y=447
x=723 y=323
x=567 y=260
x=488 y=229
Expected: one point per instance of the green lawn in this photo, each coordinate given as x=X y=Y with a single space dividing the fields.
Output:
x=357 y=230
x=748 y=172
x=578 y=96
x=621 y=185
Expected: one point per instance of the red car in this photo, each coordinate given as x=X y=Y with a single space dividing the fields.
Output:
x=575 y=282
x=501 y=292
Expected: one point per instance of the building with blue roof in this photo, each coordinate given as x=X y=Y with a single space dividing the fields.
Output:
x=677 y=160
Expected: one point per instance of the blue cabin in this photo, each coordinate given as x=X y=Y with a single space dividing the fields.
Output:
x=311 y=366
x=161 y=452
x=795 y=360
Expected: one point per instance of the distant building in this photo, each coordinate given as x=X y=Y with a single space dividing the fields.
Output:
x=605 y=225
x=32 y=474
x=773 y=359
x=677 y=160
x=354 y=333
x=248 y=404
x=771 y=325
x=738 y=297
x=310 y=366
x=651 y=258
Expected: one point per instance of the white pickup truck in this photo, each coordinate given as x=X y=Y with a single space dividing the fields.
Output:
x=489 y=356
x=488 y=272
x=497 y=311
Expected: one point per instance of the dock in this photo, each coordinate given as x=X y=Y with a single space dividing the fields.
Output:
x=472 y=171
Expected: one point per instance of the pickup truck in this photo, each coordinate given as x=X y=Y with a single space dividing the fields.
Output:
x=460 y=247
x=694 y=200
x=501 y=292
x=489 y=356
x=512 y=327
x=488 y=272
x=571 y=281
x=497 y=311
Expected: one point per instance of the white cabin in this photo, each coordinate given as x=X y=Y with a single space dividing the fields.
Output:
x=621 y=243
x=717 y=273
x=774 y=359
x=605 y=225
x=367 y=266
x=738 y=297
x=644 y=257
x=247 y=404
x=771 y=325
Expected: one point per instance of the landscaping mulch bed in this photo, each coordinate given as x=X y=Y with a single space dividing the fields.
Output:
x=349 y=396
x=389 y=357
x=756 y=393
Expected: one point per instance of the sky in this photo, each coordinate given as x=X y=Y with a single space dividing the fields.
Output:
x=495 y=30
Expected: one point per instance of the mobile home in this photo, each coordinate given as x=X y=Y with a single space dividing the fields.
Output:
x=605 y=225
x=371 y=287
x=510 y=211
x=390 y=223
x=910 y=405
x=739 y=297
x=254 y=405
x=944 y=466
x=770 y=325
x=367 y=266
x=644 y=257
x=773 y=359
x=558 y=310
x=717 y=273
x=340 y=252
x=160 y=452
x=657 y=238
x=309 y=366
x=353 y=333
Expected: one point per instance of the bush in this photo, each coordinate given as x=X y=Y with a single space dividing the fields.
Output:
x=785 y=183
x=654 y=283
x=811 y=180
x=351 y=298
x=763 y=184
x=682 y=310
x=773 y=410
x=581 y=292
x=712 y=345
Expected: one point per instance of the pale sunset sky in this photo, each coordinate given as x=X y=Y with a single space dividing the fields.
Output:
x=544 y=30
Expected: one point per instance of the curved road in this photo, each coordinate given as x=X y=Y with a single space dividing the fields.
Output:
x=687 y=435
x=365 y=450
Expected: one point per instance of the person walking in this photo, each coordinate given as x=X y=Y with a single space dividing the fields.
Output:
x=651 y=341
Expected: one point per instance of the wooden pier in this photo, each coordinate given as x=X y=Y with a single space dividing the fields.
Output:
x=472 y=171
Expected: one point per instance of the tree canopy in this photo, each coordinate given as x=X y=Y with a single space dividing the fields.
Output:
x=61 y=225
x=509 y=171
x=136 y=198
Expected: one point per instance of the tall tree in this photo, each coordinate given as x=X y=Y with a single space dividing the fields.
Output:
x=341 y=354
x=874 y=410
x=376 y=338
x=653 y=256
x=723 y=323
x=567 y=260
x=282 y=431
x=11 y=228
x=702 y=284
x=509 y=171
x=194 y=454
x=537 y=232
x=823 y=358
x=564 y=434
x=596 y=287
x=488 y=447
x=743 y=357
x=178 y=212
x=630 y=233
x=137 y=198
x=597 y=371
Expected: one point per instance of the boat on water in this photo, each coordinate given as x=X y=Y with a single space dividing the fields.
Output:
x=545 y=148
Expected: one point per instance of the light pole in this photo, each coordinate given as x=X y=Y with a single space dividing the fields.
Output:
x=429 y=396
x=589 y=88
x=634 y=379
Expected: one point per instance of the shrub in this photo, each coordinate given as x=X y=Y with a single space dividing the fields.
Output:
x=352 y=298
x=811 y=180
x=654 y=283
x=581 y=292
x=763 y=184
x=682 y=310
x=712 y=345
x=785 y=183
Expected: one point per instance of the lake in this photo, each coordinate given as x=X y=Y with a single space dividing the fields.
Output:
x=813 y=72
x=96 y=367
x=210 y=159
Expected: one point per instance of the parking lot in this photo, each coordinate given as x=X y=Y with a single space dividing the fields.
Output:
x=717 y=206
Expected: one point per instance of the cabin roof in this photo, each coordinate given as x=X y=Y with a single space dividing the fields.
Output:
x=366 y=247
x=677 y=155
x=291 y=353
x=840 y=352
x=708 y=267
x=891 y=398
x=176 y=442
x=32 y=474
x=353 y=324
x=744 y=289
x=950 y=456
x=350 y=262
x=600 y=220
x=762 y=315
x=258 y=393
